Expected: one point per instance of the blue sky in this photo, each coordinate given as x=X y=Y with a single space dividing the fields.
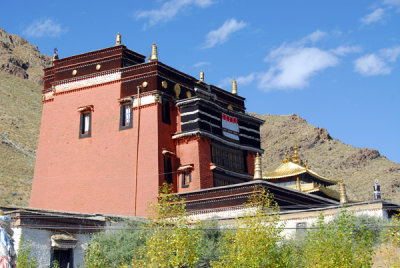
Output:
x=335 y=63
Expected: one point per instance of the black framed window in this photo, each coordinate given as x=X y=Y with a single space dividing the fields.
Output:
x=126 y=116
x=186 y=178
x=168 y=169
x=166 y=112
x=85 y=126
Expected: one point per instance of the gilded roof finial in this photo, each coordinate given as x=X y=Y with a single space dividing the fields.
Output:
x=343 y=195
x=234 y=86
x=306 y=164
x=285 y=158
x=154 y=55
x=201 y=76
x=296 y=158
x=55 y=55
x=118 y=39
x=257 y=167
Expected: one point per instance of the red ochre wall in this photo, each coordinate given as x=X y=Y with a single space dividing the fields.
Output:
x=95 y=174
x=196 y=151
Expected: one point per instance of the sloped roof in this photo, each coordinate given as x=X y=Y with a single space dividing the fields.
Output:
x=289 y=169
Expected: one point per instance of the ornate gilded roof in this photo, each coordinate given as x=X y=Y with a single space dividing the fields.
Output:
x=289 y=169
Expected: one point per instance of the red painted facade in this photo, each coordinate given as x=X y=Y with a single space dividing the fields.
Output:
x=114 y=170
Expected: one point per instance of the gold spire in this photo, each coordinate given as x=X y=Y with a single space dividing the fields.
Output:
x=234 y=86
x=118 y=39
x=343 y=195
x=257 y=167
x=55 y=55
x=154 y=55
x=201 y=76
x=296 y=158
x=285 y=158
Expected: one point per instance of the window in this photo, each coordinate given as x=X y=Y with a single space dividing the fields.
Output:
x=228 y=158
x=126 y=116
x=64 y=258
x=85 y=127
x=166 y=116
x=186 y=178
x=167 y=169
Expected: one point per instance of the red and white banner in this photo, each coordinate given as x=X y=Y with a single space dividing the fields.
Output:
x=230 y=126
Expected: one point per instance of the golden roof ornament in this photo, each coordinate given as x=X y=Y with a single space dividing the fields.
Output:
x=285 y=158
x=257 y=167
x=201 y=76
x=295 y=157
x=343 y=195
x=154 y=55
x=118 y=39
x=234 y=86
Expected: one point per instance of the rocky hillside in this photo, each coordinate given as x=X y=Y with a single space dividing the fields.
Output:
x=21 y=67
x=21 y=75
x=358 y=167
x=20 y=58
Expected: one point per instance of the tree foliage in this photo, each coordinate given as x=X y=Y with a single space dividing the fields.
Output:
x=171 y=241
x=391 y=243
x=25 y=258
x=338 y=243
x=257 y=239
x=114 y=248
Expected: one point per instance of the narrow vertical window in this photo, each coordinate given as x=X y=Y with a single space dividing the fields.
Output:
x=126 y=116
x=186 y=178
x=167 y=169
x=166 y=116
x=85 y=124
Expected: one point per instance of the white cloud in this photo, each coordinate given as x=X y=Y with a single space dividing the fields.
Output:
x=344 y=50
x=371 y=64
x=241 y=80
x=169 y=10
x=314 y=37
x=221 y=35
x=201 y=63
x=375 y=16
x=292 y=67
x=391 y=54
x=45 y=27
x=392 y=2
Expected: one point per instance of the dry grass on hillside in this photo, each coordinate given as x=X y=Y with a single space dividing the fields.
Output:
x=20 y=112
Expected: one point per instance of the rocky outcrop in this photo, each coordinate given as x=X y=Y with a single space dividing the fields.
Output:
x=20 y=58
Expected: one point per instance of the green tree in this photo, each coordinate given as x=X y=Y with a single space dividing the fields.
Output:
x=257 y=240
x=391 y=243
x=210 y=236
x=171 y=241
x=115 y=248
x=338 y=243
x=25 y=258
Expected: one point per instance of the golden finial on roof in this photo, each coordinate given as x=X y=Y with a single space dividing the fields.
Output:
x=1 y=213
x=154 y=55
x=343 y=195
x=257 y=167
x=295 y=157
x=55 y=55
x=285 y=158
x=201 y=76
x=306 y=164
x=234 y=86
x=118 y=39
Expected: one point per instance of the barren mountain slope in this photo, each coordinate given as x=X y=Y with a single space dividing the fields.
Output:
x=359 y=167
x=21 y=75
